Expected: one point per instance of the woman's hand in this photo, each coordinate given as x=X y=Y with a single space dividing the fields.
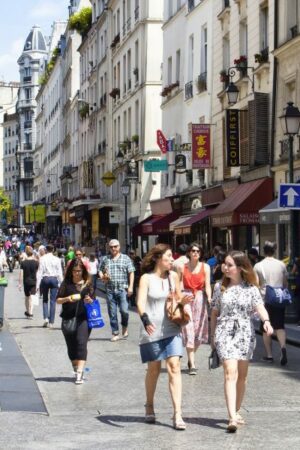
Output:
x=268 y=328
x=187 y=298
x=150 y=329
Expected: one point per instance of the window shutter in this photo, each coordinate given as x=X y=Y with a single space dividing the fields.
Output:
x=244 y=137
x=258 y=129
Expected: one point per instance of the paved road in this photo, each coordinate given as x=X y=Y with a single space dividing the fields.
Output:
x=107 y=411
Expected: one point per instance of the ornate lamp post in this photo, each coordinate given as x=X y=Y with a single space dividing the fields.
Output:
x=125 y=190
x=290 y=122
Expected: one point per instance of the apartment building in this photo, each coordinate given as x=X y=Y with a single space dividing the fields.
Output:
x=242 y=133
x=10 y=172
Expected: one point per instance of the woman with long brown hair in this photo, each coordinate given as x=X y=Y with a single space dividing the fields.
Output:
x=195 y=277
x=76 y=290
x=232 y=331
x=160 y=339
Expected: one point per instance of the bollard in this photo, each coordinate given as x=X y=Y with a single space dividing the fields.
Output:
x=3 y=284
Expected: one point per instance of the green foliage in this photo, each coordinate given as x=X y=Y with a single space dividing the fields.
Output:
x=45 y=76
x=81 y=21
x=84 y=110
x=5 y=203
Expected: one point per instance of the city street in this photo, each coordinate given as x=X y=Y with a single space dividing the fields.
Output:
x=107 y=410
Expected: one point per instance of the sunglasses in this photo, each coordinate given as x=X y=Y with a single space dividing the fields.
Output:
x=195 y=250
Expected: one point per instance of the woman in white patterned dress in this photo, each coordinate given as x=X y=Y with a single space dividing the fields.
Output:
x=232 y=331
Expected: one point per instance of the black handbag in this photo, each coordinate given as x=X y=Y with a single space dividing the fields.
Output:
x=213 y=360
x=69 y=326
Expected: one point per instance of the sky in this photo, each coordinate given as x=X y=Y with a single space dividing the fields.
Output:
x=16 y=20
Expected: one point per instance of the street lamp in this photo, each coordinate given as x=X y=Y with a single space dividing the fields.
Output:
x=290 y=122
x=125 y=190
x=232 y=90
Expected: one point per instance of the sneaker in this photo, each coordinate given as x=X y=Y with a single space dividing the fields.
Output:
x=51 y=326
x=268 y=359
x=30 y=316
x=115 y=338
x=283 y=359
x=46 y=323
x=192 y=371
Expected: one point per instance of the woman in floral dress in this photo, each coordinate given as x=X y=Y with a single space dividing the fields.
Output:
x=232 y=331
x=195 y=277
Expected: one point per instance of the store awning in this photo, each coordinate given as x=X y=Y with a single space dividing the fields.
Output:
x=155 y=224
x=178 y=221
x=273 y=214
x=185 y=227
x=242 y=206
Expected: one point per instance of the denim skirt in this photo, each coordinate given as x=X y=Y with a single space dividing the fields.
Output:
x=162 y=349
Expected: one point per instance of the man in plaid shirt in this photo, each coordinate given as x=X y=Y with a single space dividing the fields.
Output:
x=117 y=272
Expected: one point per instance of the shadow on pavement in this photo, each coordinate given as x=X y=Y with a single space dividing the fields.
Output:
x=206 y=422
x=111 y=419
x=56 y=379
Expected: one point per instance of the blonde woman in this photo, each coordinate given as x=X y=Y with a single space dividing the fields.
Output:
x=232 y=331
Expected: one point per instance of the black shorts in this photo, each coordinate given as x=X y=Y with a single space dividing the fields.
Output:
x=276 y=317
x=29 y=289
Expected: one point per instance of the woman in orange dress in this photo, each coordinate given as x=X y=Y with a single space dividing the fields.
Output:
x=195 y=277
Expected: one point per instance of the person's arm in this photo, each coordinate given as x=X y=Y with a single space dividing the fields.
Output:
x=207 y=282
x=131 y=281
x=181 y=297
x=39 y=275
x=264 y=317
x=20 y=277
x=213 y=322
x=141 y=304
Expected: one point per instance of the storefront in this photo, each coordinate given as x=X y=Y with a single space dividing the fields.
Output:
x=236 y=219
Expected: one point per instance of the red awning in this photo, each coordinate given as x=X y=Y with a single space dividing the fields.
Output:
x=242 y=206
x=185 y=227
x=155 y=224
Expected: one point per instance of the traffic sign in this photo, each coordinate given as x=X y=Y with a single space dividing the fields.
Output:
x=289 y=196
x=108 y=178
x=161 y=141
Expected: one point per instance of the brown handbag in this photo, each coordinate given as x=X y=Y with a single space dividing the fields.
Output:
x=175 y=311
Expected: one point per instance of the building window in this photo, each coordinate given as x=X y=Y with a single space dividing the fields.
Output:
x=177 y=75
x=264 y=28
x=191 y=58
x=243 y=38
x=293 y=19
x=203 y=49
x=170 y=9
x=169 y=70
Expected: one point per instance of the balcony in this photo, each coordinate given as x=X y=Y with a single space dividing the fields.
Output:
x=27 y=146
x=294 y=31
x=28 y=124
x=27 y=79
x=188 y=89
x=202 y=82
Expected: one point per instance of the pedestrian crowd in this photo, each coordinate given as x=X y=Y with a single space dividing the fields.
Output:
x=232 y=288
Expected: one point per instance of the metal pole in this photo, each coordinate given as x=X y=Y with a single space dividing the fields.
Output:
x=126 y=226
x=292 y=217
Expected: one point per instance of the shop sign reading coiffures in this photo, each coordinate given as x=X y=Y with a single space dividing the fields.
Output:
x=233 y=140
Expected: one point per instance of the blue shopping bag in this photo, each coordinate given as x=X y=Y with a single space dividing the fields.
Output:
x=94 y=316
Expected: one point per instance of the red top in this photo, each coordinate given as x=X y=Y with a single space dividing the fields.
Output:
x=193 y=281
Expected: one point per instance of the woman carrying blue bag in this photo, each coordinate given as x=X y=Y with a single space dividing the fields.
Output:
x=75 y=292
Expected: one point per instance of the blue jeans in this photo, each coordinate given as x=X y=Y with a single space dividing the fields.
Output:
x=114 y=300
x=49 y=284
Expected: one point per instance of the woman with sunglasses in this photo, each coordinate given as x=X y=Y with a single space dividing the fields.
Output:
x=76 y=290
x=195 y=277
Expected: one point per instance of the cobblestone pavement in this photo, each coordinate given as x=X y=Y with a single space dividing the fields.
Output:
x=107 y=411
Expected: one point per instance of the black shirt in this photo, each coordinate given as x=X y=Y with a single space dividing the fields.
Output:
x=69 y=309
x=29 y=267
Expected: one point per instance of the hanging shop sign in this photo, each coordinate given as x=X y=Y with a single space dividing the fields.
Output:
x=180 y=162
x=233 y=140
x=200 y=146
x=156 y=165
x=108 y=178
x=161 y=141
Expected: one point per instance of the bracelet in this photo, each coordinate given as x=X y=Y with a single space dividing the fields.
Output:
x=264 y=321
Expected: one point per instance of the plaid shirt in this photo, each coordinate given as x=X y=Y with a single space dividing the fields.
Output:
x=118 y=271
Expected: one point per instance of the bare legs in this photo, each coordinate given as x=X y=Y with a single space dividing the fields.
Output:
x=235 y=377
x=28 y=304
x=191 y=356
x=175 y=386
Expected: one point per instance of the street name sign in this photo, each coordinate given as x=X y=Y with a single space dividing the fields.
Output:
x=155 y=165
x=289 y=196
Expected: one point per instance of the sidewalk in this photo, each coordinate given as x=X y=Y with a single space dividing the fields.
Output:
x=107 y=410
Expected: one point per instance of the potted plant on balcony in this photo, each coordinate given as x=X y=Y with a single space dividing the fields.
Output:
x=224 y=78
x=115 y=92
x=262 y=57
x=127 y=142
x=84 y=110
x=241 y=64
x=135 y=139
